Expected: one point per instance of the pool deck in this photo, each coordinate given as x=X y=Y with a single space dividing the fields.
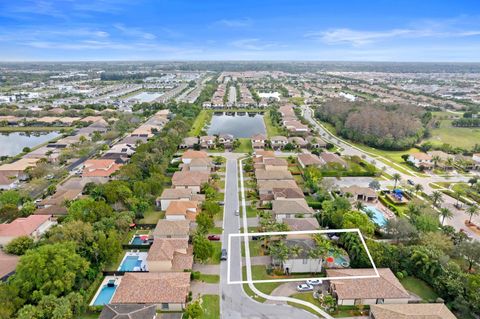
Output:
x=104 y=282
x=140 y=255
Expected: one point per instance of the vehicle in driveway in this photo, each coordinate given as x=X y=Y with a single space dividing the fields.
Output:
x=314 y=282
x=304 y=287
x=214 y=237
x=223 y=256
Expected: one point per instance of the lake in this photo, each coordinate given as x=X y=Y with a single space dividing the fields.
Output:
x=239 y=125
x=13 y=143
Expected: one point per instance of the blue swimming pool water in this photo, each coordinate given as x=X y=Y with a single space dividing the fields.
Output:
x=138 y=241
x=378 y=217
x=129 y=263
x=105 y=295
x=339 y=259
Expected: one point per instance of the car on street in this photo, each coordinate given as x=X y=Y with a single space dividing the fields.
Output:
x=304 y=287
x=221 y=203
x=314 y=282
x=214 y=237
x=223 y=256
x=410 y=182
x=237 y=213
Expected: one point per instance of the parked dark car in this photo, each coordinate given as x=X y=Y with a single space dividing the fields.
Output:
x=214 y=237
x=224 y=255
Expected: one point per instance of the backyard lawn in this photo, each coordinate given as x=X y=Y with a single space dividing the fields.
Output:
x=151 y=217
x=245 y=146
x=211 y=307
x=419 y=287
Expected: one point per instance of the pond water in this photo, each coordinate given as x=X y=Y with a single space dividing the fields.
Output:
x=147 y=96
x=13 y=143
x=239 y=125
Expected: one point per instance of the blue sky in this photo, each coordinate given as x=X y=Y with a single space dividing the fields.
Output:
x=368 y=30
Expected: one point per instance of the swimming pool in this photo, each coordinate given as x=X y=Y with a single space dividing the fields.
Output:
x=140 y=240
x=378 y=217
x=105 y=295
x=130 y=263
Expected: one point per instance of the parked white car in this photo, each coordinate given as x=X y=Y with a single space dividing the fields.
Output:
x=304 y=287
x=314 y=282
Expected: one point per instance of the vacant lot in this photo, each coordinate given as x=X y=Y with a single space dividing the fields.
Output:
x=463 y=137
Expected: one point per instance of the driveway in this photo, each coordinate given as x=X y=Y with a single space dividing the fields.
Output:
x=199 y=288
x=207 y=269
x=284 y=290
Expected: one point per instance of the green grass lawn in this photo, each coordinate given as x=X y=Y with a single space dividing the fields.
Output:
x=251 y=212
x=255 y=248
x=151 y=217
x=217 y=252
x=203 y=117
x=245 y=146
x=305 y=296
x=272 y=129
x=88 y=315
x=211 y=279
x=463 y=137
x=211 y=307
x=216 y=230
x=419 y=287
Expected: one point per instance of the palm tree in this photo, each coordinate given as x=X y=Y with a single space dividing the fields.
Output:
x=437 y=198
x=450 y=162
x=473 y=211
x=396 y=177
x=359 y=205
x=445 y=213
x=418 y=188
x=435 y=160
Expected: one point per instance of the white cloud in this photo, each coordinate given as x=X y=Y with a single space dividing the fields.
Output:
x=134 y=32
x=361 y=37
x=252 y=44
x=234 y=23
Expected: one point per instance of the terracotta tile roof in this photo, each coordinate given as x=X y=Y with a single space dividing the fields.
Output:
x=100 y=168
x=20 y=165
x=189 y=178
x=421 y=156
x=132 y=311
x=279 y=175
x=187 y=208
x=23 y=226
x=264 y=153
x=8 y=264
x=278 y=138
x=291 y=206
x=194 y=154
x=386 y=286
x=357 y=190
x=296 y=224
x=332 y=158
x=176 y=193
x=259 y=137
x=166 y=228
x=153 y=288
x=275 y=161
x=175 y=250
x=309 y=159
x=412 y=311
x=264 y=185
x=294 y=192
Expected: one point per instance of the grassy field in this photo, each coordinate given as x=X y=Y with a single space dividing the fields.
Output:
x=211 y=307
x=245 y=146
x=419 y=287
x=203 y=117
x=463 y=137
x=272 y=130
x=211 y=279
x=7 y=129
x=151 y=217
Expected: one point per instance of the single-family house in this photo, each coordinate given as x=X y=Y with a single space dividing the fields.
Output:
x=332 y=159
x=8 y=180
x=278 y=175
x=271 y=164
x=8 y=264
x=182 y=210
x=208 y=141
x=128 y=311
x=226 y=140
x=299 y=141
x=19 y=168
x=266 y=187
x=442 y=159
x=170 y=254
x=278 y=142
x=295 y=127
x=33 y=226
x=385 y=289
x=172 y=229
x=168 y=291
x=199 y=165
x=305 y=160
x=190 y=180
x=170 y=194
x=100 y=168
x=287 y=193
x=315 y=142
x=298 y=259
x=359 y=193
x=411 y=311
x=421 y=160
x=286 y=111
x=189 y=142
x=190 y=154
x=290 y=208
x=258 y=141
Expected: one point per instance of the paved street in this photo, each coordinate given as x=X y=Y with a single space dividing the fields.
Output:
x=459 y=215
x=234 y=303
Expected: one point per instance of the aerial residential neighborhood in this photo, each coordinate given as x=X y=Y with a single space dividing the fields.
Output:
x=230 y=160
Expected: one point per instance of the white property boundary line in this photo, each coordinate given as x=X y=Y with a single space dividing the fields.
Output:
x=303 y=232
